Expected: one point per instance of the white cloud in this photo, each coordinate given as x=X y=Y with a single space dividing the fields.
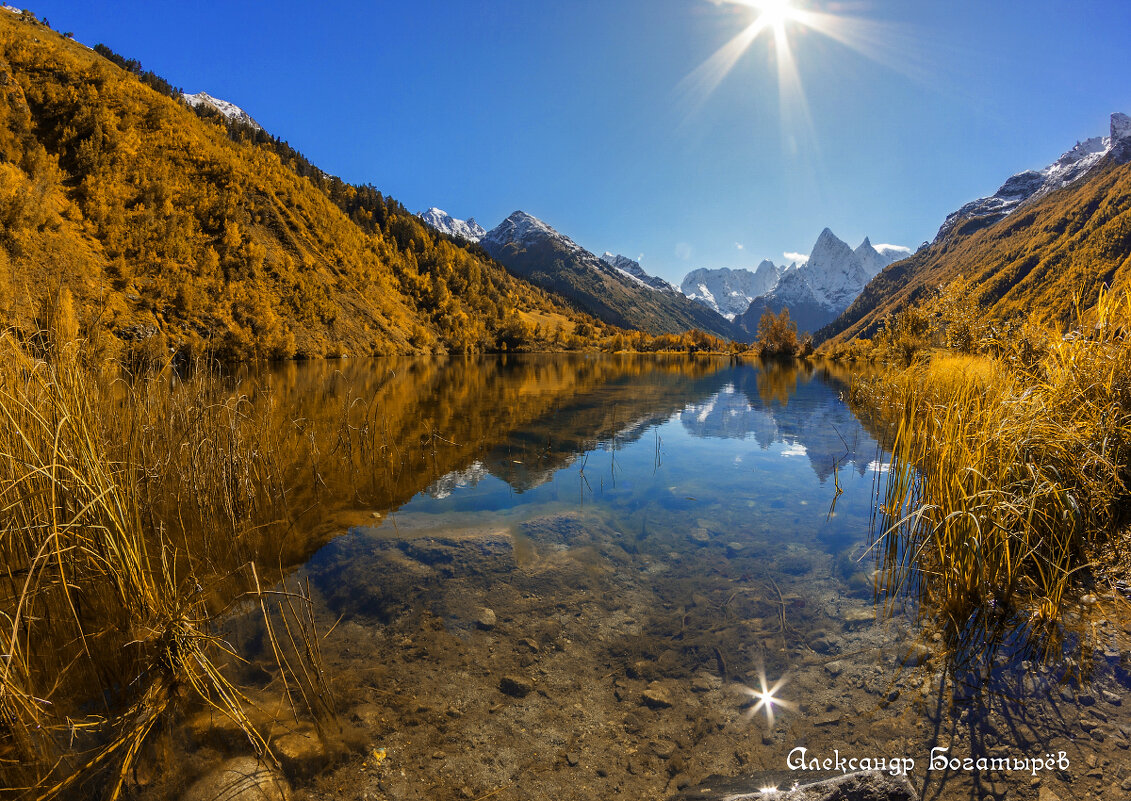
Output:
x=740 y=246
x=640 y=257
x=800 y=258
x=893 y=249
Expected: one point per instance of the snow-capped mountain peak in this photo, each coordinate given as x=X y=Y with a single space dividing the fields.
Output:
x=447 y=224
x=523 y=229
x=229 y=110
x=870 y=258
x=1029 y=184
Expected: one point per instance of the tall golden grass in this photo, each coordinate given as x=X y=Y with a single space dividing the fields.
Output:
x=131 y=513
x=1007 y=466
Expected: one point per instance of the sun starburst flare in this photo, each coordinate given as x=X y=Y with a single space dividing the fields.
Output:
x=782 y=21
x=766 y=699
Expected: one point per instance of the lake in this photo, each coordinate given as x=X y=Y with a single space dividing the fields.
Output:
x=600 y=576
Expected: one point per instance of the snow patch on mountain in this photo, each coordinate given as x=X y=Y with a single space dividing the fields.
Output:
x=229 y=110
x=893 y=253
x=443 y=222
x=1030 y=184
x=631 y=269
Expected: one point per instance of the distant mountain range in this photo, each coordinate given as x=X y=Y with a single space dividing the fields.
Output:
x=815 y=292
x=1046 y=240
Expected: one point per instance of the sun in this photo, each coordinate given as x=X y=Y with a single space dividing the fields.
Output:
x=775 y=13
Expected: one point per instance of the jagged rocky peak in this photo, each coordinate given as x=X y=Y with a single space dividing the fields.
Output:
x=1030 y=184
x=1121 y=137
x=229 y=110
x=467 y=229
x=874 y=258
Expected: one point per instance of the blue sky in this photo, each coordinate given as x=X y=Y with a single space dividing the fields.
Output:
x=583 y=113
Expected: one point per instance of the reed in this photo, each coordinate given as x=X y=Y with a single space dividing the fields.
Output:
x=132 y=510
x=1008 y=467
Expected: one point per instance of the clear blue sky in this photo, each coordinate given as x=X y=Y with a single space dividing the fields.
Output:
x=581 y=112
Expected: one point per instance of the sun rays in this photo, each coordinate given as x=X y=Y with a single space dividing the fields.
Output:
x=783 y=24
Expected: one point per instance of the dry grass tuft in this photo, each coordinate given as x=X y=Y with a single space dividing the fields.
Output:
x=127 y=507
x=1007 y=467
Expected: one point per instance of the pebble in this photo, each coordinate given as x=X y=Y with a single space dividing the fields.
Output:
x=834 y=668
x=1046 y=794
x=1111 y=698
x=916 y=655
x=573 y=758
x=701 y=684
x=516 y=686
x=1126 y=784
x=486 y=619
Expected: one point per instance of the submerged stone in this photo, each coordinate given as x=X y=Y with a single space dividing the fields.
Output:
x=516 y=686
x=656 y=696
x=240 y=779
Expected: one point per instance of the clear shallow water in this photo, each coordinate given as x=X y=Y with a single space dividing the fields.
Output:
x=574 y=566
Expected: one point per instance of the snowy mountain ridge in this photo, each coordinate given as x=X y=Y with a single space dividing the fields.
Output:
x=1031 y=184
x=445 y=223
x=730 y=292
x=229 y=110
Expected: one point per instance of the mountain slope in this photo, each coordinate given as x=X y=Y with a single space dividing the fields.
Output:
x=533 y=250
x=1050 y=249
x=199 y=232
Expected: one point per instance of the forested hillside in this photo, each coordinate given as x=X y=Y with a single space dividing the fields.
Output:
x=126 y=209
